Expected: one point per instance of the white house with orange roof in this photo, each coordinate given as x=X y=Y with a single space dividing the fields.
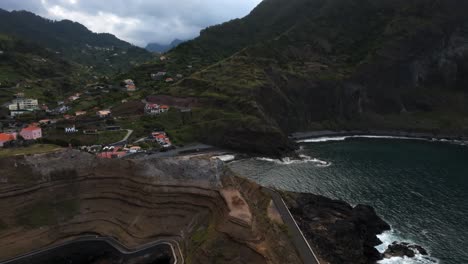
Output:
x=103 y=113
x=80 y=113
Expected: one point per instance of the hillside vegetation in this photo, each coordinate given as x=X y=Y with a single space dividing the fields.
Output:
x=328 y=64
x=105 y=53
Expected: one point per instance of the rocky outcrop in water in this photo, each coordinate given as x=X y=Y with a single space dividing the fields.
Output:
x=339 y=232
x=403 y=249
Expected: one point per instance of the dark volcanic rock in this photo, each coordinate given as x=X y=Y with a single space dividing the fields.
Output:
x=340 y=233
x=403 y=249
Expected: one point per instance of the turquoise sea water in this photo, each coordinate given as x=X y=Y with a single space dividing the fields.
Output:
x=420 y=188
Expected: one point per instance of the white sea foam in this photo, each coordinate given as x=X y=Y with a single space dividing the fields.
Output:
x=226 y=158
x=302 y=159
x=342 y=138
x=417 y=259
x=388 y=238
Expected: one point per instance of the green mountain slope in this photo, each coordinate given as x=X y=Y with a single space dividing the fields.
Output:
x=38 y=72
x=327 y=64
x=104 y=52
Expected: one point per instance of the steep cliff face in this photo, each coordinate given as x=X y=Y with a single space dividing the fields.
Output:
x=340 y=233
x=334 y=64
x=47 y=199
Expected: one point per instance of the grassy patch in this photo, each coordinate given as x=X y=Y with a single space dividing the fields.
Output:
x=33 y=149
x=3 y=225
x=200 y=236
x=80 y=139
x=46 y=213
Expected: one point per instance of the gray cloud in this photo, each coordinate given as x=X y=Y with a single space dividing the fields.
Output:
x=139 y=21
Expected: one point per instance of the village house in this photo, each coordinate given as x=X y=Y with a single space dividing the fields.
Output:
x=15 y=113
x=129 y=81
x=163 y=58
x=71 y=129
x=162 y=139
x=155 y=109
x=164 y=108
x=44 y=107
x=158 y=76
x=68 y=117
x=6 y=137
x=168 y=80
x=31 y=132
x=73 y=98
x=24 y=104
x=179 y=76
x=90 y=131
x=103 y=113
x=130 y=85
x=152 y=109
x=47 y=121
x=111 y=153
x=44 y=122
x=62 y=109
x=80 y=113
x=134 y=149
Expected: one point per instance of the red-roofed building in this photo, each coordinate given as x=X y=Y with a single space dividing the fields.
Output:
x=162 y=139
x=113 y=153
x=6 y=137
x=131 y=87
x=31 y=132
x=68 y=117
x=164 y=108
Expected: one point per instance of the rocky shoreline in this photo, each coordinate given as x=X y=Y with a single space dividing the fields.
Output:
x=339 y=232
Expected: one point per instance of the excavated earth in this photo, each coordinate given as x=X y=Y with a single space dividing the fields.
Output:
x=215 y=216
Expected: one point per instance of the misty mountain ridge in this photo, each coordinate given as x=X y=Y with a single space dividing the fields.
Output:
x=102 y=51
x=161 y=48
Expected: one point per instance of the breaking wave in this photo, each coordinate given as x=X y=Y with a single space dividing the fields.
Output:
x=388 y=238
x=302 y=159
x=343 y=138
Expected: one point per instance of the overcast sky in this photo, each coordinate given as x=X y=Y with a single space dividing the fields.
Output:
x=139 y=21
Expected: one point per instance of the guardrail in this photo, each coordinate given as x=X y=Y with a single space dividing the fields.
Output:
x=177 y=253
x=300 y=242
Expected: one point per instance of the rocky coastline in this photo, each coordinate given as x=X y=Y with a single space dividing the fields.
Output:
x=341 y=233
x=186 y=198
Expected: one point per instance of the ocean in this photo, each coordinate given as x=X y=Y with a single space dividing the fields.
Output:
x=419 y=187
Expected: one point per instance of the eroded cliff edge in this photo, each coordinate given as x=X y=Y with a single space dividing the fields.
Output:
x=52 y=198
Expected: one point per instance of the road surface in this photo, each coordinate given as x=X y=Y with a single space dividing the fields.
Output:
x=174 y=245
x=300 y=242
x=124 y=140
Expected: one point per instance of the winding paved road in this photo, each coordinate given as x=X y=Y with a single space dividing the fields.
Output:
x=300 y=242
x=174 y=245
x=124 y=140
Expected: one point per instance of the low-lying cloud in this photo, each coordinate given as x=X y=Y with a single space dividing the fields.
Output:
x=139 y=21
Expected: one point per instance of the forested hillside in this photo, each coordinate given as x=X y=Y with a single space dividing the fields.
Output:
x=104 y=52
x=329 y=64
